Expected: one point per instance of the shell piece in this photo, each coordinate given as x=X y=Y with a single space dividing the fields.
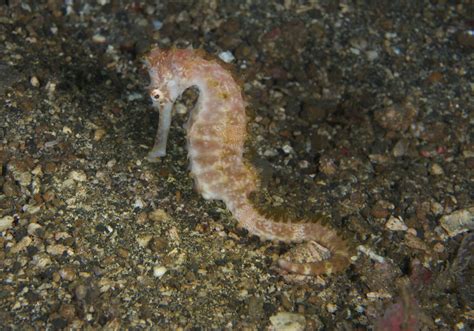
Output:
x=458 y=222
x=6 y=222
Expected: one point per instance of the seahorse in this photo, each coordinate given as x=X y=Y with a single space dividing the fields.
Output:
x=216 y=132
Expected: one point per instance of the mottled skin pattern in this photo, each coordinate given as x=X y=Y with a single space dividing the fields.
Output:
x=216 y=132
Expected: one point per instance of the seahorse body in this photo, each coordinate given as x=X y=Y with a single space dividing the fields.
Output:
x=216 y=132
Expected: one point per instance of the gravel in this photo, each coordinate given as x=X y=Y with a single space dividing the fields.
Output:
x=362 y=113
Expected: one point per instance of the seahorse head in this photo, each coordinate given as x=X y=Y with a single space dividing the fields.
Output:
x=166 y=74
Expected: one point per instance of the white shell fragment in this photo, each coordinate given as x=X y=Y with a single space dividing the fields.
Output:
x=396 y=224
x=78 y=175
x=287 y=321
x=159 y=271
x=226 y=56
x=6 y=222
x=458 y=222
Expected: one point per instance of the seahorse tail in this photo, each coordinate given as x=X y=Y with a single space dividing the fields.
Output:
x=287 y=231
x=338 y=262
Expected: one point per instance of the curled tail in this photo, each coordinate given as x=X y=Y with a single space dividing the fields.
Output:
x=340 y=259
x=294 y=232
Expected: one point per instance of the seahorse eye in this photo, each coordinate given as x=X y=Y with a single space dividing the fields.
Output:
x=156 y=94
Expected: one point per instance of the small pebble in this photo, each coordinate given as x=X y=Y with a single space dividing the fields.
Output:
x=99 y=134
x=138 y=203
x=41 y=260
x=439 y=248
x=123 y=253
x=412 y=241
x=270 y=152
x=327 y=166
x=159 y=271
x=80 y=292
x=287 y=149
x=10 y=189
x=400 y=149
x=57 y=249
x=22 y=244
x=381 y=294
x=370 y=253
x=78 y=175
x=460 y=326
x=6 y=222
x=135 y=96
x=436 y=208
x=159 y=215
x=98 y=39
x=33 y=228
x=226 y=56
x=67 y=273
x=67 y=311
x=380 y=210
x=331 y=307
x=436 y=169
x=396 y=117
x=157 y=24
x=303 y=164
x=396 y=224
x=288 y=322
x=50 y=87
x=144 y=240
x=34 y=81
x=372 y=55
x=111 y=163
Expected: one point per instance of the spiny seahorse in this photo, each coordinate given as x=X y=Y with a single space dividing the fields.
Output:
x=216 y=132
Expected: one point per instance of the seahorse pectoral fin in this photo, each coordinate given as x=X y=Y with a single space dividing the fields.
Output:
x=159 y=148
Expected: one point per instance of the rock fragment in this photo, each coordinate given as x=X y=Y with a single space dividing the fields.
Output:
x=458 y=222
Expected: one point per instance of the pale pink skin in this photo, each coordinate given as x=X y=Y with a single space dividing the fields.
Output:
x=216 y=133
